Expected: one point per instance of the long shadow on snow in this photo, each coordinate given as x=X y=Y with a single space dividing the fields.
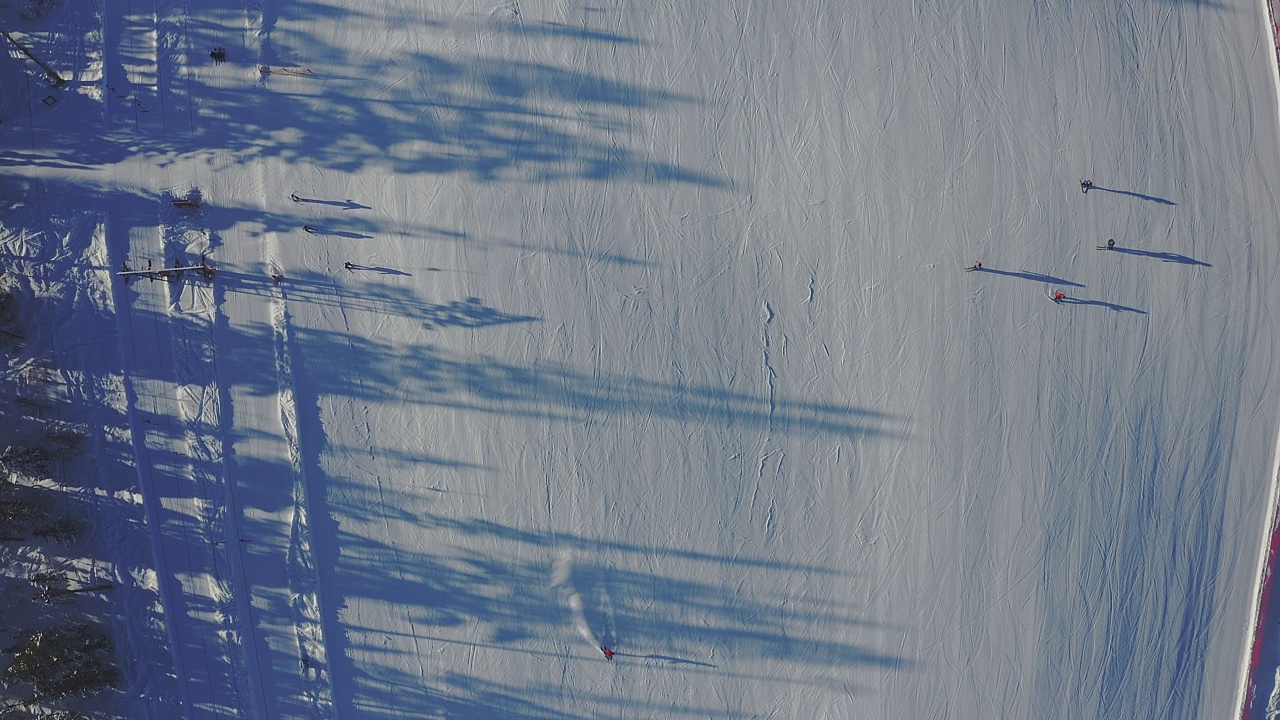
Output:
x=74 y=393
x=544 y=30
x=506 y=594
x=131 y=207
x=433 y=376
x=1103 y=304
x=429 y=375
x=524 y=247
x=1130 y=193
x=500 y=606
x=491 y=118
x=453 y=591
x=373 y=297
x=1165 y=506
x=1028 y=275
x=450 y=694
x=169 y=481
x=493 y=386
x=1165 y=256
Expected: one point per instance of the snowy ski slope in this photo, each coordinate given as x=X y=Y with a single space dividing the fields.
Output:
x=655 y=337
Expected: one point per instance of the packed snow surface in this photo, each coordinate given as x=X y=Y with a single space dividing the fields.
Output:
x=644 y=326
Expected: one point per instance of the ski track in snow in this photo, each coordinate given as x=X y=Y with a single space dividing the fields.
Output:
x=307 y=614
x=562 y=580
x=192 y=314
x=179 y=458
x=180 y=477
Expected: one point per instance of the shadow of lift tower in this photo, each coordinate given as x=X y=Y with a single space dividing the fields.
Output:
x=55 y=77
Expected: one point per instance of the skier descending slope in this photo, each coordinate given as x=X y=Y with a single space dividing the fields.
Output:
x=973 y=267
x=1086 y=186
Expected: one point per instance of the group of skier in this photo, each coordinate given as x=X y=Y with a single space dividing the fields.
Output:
x=1059 y=297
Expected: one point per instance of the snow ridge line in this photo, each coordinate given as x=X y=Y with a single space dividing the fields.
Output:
x=302 y=572
x=1270 y=553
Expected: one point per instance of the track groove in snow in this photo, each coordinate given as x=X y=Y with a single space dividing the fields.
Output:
x=303 y=578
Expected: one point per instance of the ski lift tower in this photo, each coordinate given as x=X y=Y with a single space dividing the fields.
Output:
x=168 y=274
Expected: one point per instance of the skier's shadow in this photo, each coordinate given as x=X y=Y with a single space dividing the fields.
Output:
x=1028 y=275
x=343 y=204
x=1130 y=193
x=340 y=233
x=378 y=269
x=667 y=659
x=1100 y=303
x=1165 y=256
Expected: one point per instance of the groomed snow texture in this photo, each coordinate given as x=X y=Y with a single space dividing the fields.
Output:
x=656 y=336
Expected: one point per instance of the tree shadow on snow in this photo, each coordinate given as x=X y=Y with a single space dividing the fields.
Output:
x=500 y=606
x=428 y=374
x=476 y=590
x=375 y=298
x=487 y=117
x=431 y=375
x=504 y=606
